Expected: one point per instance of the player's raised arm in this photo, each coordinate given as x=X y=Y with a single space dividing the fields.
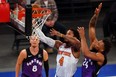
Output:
x=73 y=40
x=49 y=41
x=92 y=23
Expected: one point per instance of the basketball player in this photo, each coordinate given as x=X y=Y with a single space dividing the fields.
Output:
x=68 y=51
x=96 y=56
x=31 y=60
x=51 y=22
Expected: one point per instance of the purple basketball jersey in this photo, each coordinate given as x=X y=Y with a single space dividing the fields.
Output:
x=32 y=66
x=88 y=68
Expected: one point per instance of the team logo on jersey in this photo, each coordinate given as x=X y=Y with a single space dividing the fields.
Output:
x=64 y=53
x=34 y=61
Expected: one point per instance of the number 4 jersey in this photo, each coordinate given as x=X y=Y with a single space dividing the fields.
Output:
x=32 y=65
x=66 y=62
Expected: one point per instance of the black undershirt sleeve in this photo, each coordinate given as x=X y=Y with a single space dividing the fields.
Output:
x=46 y=67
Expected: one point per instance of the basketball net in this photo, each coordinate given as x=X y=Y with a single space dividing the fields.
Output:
x=40 y=16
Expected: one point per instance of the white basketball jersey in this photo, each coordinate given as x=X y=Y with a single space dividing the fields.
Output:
x=66 y=62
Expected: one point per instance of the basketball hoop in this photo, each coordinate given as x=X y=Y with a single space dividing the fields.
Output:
x=40 y=16
x=40 y=12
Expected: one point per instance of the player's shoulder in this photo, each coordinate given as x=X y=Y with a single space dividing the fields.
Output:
x=100 y=56
x=23 y=52
x=44 y=51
